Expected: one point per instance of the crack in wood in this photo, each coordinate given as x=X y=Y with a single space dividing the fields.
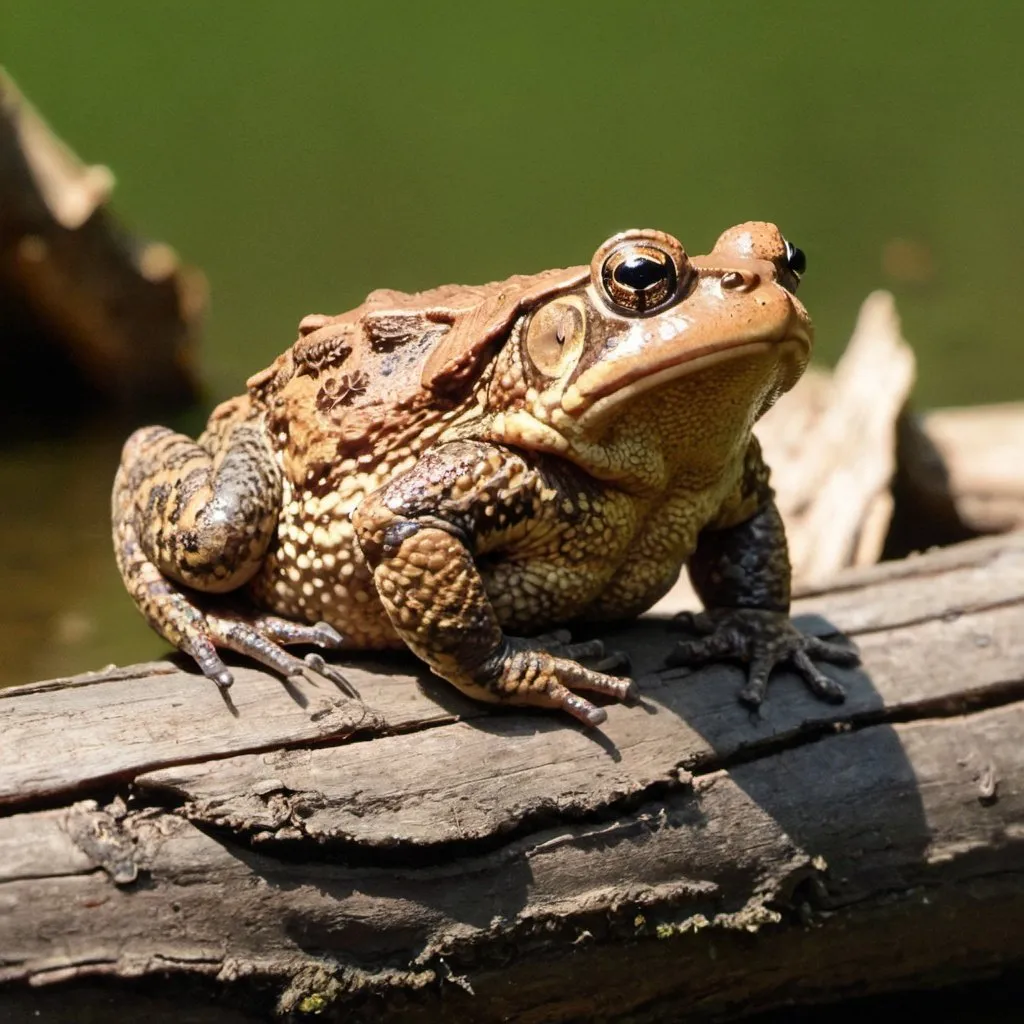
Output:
x=951 y=616
x=965 y=703
x=518 y=854
x=629 y=814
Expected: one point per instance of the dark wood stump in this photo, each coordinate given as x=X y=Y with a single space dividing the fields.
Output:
x=107 y=314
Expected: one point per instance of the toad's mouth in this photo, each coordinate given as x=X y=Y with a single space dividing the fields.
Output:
x=590 y=400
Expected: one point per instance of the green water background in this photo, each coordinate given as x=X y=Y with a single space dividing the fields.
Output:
x=303 y=154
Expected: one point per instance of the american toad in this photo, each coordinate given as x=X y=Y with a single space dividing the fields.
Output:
x=456 y=469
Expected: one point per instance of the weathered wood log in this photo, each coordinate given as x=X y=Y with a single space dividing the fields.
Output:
x=410 y=855
x=960 y=474
x=982 y=449
x=76 y=290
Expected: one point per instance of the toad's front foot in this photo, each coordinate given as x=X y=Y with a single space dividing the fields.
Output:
x=543 y=672
x=761 y=639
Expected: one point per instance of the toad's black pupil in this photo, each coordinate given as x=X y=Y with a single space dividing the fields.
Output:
x=640 y=272
x=795 y=259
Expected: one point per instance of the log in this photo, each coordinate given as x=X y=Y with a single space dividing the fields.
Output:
x=982 y=450
x=960 y=474
x=409 y=855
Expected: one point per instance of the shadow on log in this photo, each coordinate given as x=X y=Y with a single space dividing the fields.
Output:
x=412 y=856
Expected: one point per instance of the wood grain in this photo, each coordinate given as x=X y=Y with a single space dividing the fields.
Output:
x=424 y=858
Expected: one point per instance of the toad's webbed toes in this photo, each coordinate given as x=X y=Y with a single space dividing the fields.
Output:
x=209 y=661
x=317 y=664
x=593 y=652
x=285 y=631
x=522 y=672
x=763 y=640
x=260 y=637
x=818 y=683
x=836 y=654
x=618 y=660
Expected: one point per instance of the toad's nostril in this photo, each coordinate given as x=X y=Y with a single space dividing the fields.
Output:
x=737 y=280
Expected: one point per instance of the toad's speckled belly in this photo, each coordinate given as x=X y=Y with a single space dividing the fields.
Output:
x=657 y=552
x=614 y=561
x=316 y=572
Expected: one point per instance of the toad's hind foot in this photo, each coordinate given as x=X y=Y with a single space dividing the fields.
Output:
x=559 y=643
x=763 y=640
x=260 y=636
x=197 y=631
x=543 y=672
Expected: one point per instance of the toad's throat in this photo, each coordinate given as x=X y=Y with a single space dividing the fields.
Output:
x=593 y=397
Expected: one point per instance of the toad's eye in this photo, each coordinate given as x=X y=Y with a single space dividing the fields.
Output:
x=638 y=278
x=554 y=337
x=796 y=263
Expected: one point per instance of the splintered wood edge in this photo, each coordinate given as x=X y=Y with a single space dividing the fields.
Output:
x=851 y=462
x=71 y=190
x=127 y=310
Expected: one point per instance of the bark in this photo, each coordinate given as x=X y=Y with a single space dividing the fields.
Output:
x=409 y=855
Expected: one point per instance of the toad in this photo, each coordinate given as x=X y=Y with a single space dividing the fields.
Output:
x=458 y=470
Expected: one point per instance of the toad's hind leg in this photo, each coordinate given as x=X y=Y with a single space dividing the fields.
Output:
x=201 y=514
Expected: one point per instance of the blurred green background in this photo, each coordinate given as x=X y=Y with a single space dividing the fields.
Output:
x=303 y=154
